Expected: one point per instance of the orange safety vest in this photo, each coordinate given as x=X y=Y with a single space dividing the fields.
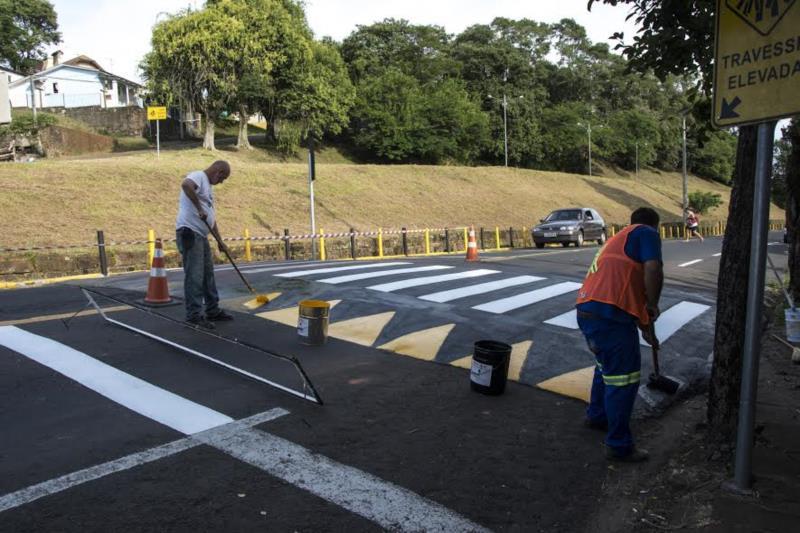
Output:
x=616 y=279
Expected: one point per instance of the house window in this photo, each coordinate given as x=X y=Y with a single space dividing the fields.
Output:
x=122 y=96
x=55 y=88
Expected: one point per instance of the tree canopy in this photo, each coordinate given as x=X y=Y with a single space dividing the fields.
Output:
x=26 y=28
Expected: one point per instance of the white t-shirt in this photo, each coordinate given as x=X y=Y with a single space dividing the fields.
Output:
x=187 y=212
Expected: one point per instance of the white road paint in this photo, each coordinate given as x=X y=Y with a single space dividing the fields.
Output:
x=480 y=288
x=567 y=320
x=527 y=298
x=68 y=481
x=674 y=319
x=314 y=271
x=689 y=263
x=257 y=269
x=390 y=506
x=383 y=273
x=717 y=255
x=428 y=280
x=137 y=395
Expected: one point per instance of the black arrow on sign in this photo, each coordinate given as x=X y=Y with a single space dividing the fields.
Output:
x=728 y=108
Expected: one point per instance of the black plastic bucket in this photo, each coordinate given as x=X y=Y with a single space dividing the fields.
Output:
x=489 y=371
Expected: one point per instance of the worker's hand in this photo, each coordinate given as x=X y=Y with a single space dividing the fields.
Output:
x=649 y=335
x=222 y=247
x=654 y=312
x=202 y=214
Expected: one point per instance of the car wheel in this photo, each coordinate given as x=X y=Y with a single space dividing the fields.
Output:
x=579 y=242
x=540 y=245
x=565 y=244
x=602 y=240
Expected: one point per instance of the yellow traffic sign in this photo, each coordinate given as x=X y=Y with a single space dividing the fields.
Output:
x=756 y=61
x=156 y=113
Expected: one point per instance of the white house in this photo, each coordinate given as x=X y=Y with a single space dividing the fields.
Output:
x=9 y=74
x=79 y=82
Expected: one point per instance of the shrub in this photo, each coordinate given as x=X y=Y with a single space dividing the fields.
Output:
x=703 y=201
x=23 y=123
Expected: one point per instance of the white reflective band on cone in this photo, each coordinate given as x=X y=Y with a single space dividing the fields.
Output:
x=158 y=272
x=472 y=245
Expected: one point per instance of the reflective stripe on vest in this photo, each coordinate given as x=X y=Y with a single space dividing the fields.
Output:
x=616 y=279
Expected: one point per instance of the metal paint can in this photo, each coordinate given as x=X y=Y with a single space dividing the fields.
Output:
x=489 y=371
x=312 y=324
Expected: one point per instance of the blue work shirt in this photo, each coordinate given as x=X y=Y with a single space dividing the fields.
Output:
x=644 y=244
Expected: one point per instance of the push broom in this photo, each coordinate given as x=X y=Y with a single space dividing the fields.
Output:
x=261 y=299
x=658 y=381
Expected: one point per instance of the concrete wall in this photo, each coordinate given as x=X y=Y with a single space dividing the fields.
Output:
x=114 y=121
x=58 y=141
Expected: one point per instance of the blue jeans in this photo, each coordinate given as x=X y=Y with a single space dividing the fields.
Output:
x=616 y=377
x=198 y=269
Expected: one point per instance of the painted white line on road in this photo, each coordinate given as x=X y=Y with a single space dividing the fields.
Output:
x=528 y=298
x=68 y=481
x=480 y=288
x=717 y=255
x=389 y=505
x=382 y=274
x=255 y=269
x=137 y=395
x=567 y=320
x=690 y=263
x=428 y=280
x=314 y=271
x=674 y=319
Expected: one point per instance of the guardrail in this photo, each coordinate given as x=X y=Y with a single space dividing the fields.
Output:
x=355 y=245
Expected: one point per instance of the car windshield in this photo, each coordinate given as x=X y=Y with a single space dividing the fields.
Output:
x=571 y=214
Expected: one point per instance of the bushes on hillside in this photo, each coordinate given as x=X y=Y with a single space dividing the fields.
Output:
x=23 y=124
x=704 y=201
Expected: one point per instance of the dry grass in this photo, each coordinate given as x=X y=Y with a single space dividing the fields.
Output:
x=65 y=201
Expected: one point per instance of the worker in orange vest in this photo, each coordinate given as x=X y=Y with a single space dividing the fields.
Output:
x=618 y=298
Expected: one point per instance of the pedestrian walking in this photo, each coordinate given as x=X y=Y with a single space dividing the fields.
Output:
x=618 y=298
x=692 y=225
x=195 y=209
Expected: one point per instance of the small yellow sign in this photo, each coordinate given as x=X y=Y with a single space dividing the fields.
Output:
x=156 y=113
x=756 y=61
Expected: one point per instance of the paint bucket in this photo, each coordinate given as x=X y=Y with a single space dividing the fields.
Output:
x=489 y=371
x=792 y=325
x=312 y=325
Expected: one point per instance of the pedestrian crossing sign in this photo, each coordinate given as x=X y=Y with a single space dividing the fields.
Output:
x=756 y=61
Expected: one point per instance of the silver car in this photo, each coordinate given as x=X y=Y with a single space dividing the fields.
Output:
x=575 y=225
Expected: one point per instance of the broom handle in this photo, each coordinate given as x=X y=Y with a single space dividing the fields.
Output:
x=225 y=251
x=654 y=350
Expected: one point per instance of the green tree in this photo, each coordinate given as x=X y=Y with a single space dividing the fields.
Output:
x=192 y=62
x=714 y=158
x=26 y=27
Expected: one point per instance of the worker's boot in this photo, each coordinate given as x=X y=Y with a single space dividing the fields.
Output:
x=636 y=455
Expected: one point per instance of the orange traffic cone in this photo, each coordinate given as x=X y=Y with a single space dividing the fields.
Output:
x=157 y=288
x=472 y=246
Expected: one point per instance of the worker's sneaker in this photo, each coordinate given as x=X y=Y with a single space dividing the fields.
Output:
x=599 y=425
x=200 y=322
x=220 y=316
x=636 y=455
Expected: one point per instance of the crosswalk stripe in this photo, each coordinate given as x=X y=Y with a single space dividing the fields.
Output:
x=674 y=319
x=424 y=344
x=480 y=288
x=428 y=280
x=313 y=271
x=137 y=395
x=690 y=263
x=527 y=298
x=382 y=273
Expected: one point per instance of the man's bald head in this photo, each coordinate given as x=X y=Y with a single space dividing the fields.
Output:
x=218 y=172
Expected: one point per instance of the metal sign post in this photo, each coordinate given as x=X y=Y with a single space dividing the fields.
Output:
x=311 y=178
x=756 y=81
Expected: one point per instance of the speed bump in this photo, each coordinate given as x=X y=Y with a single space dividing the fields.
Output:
x=575 y=384
x=423 y=344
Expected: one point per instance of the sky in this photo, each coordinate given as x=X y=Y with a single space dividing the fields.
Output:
x=118 y=37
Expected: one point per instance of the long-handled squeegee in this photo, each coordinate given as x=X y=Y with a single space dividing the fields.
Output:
x=657 y=381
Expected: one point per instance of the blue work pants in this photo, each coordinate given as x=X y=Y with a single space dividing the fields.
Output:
x=198 y=269
x=617 y=372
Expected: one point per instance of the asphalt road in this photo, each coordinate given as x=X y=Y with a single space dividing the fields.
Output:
x=109 y=430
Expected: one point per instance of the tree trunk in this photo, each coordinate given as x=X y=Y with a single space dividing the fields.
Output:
x=208 y=140
x=726 y=372
x=243 y=143
x=793 y=208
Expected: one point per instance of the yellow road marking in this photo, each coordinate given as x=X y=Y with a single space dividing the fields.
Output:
x=362 y=330
x=254 y=304
x=288 y=315
x=519 y=352
x=60 y=316
x=423 y=344
x=575 y=384
x=45 y=281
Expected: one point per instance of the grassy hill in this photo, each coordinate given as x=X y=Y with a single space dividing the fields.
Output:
x=66 y=201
